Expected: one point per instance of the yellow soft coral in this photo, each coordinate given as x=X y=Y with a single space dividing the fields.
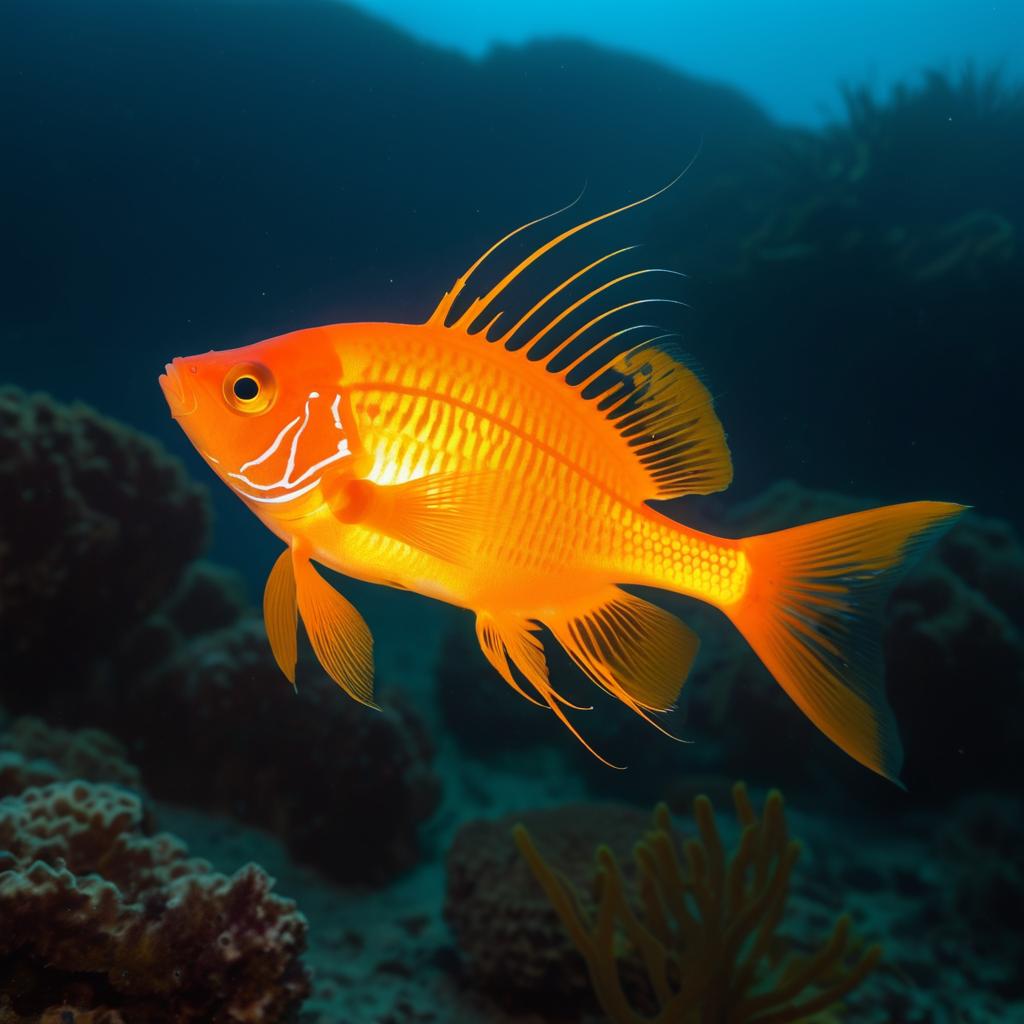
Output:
x=706 y=934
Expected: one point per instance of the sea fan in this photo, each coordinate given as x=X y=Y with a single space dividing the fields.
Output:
x=707 y=930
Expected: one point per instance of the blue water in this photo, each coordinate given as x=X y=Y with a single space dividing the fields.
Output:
x=789 y=55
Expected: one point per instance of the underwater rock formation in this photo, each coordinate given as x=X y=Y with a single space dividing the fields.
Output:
x=955 y=661
x=101 y=918
x=345 y=786
x=100 y=525
x=980 y=850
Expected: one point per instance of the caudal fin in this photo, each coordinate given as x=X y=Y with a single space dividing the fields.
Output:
x=812 y=613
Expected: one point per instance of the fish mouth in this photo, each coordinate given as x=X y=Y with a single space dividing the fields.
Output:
x=182 y=400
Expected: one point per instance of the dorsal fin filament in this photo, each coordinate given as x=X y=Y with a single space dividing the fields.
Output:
x=444 y=307
x=659 y=408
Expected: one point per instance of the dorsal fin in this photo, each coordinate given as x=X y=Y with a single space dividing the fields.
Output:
x=658 y=406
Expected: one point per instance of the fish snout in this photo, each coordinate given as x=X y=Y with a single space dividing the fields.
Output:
x=179 y=394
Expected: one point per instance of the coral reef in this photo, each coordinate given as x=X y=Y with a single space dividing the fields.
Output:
x=708 y=931
x=35 y=754
x=103 y=524
x=104 y=922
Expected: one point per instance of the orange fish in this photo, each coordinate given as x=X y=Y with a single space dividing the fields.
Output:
x=505 y=464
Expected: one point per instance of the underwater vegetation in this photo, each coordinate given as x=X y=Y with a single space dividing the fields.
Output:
x=902 y=187
x=861 y=263
x=707 y=932
x=714 y=939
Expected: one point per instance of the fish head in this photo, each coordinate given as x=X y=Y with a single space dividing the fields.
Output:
x=270 y=418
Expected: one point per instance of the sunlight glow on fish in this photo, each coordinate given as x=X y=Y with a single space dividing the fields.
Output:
x=508 y=470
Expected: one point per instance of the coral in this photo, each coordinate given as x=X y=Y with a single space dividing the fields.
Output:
x=98 y=525
x=101 y=919
x=344 y=785
x=511 y=941
x=708 y=929
x=35 y=754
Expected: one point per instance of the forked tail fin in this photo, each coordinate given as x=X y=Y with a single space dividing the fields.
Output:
x=812 y=613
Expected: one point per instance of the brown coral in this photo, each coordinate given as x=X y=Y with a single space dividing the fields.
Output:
x=707 y=933
x=100 y=917
x=346 y=787
x=97 y=525
x=35 y=754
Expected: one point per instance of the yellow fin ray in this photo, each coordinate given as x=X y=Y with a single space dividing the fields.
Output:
x=662 y=417
x=337 y=632
x=634 y=650
x=666 y=415
x=812 y=611
x=280 y=614
x=509 y=638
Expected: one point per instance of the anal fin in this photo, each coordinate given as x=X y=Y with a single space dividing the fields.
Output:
x=509 y=638
x=629 y=647
x=337 y=632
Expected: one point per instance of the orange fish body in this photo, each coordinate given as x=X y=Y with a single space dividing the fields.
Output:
x=507 y=470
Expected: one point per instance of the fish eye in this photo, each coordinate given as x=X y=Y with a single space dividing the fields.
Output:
x=246 y=388
x=249 y=388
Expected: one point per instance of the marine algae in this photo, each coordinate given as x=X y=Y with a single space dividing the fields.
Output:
x=707 y=929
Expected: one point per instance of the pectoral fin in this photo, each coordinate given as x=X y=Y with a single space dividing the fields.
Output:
x=443 y=514
x=340 y=637
x=280 y=614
